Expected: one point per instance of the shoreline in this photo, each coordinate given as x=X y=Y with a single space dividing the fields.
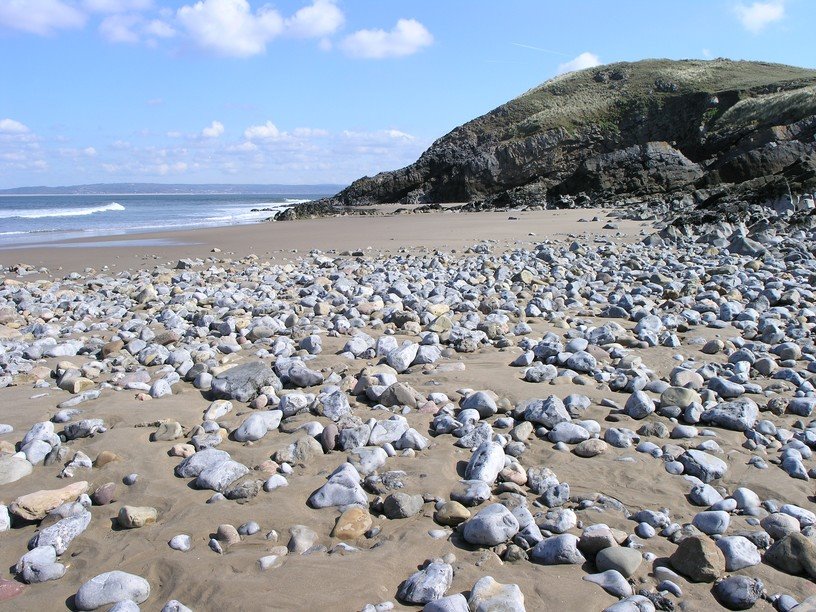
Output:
x=282 y=239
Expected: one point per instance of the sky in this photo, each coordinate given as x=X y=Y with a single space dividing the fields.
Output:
x=316 y=91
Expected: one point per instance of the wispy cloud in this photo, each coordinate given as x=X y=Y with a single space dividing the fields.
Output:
x=10 y=126
x=407 y=37
x=759 y=15
x=534 y=48
x=116 y=6
x=265 y=153
x=43 y=17
x=585 y=60
x=120 y=28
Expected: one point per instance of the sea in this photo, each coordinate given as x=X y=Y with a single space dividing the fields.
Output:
x=38 y=219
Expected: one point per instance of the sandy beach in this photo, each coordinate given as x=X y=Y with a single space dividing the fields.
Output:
x=286 y=240
x=609 y=488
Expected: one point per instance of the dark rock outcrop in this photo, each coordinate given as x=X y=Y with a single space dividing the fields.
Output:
x=649 y=130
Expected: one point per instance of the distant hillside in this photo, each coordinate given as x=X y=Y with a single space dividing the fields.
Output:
x=155 y=188
x=651 y=129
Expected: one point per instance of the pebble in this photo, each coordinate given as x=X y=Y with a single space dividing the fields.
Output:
x=624 y=560
x=490 y=526
x=111 y=588
x=180 y=542
x=428 y=584
x=488 y=594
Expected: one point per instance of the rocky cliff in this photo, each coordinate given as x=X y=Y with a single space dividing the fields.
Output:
x=649 y=130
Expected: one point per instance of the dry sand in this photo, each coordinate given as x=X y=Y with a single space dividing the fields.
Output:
x=278 y=240
x=204 y=580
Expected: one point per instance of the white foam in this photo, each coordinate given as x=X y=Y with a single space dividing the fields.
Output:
x=43 y=213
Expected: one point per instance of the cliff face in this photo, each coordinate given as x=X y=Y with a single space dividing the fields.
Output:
x=650 y=129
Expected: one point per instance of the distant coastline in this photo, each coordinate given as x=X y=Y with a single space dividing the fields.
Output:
x=114 y=189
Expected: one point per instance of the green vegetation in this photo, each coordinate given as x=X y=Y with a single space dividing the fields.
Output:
x=599 y=95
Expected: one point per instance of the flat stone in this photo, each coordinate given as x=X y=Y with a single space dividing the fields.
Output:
x=219 y=476
x=242 y=382
x=34 y=506
x=702 y=465
x=60 y=534
x=9 y=589
x=367 y=459
x=739 y=415
x=679 y=396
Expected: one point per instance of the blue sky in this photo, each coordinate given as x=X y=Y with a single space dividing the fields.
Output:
x=307 y=91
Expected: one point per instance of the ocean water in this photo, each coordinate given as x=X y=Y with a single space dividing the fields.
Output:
x=40 y=219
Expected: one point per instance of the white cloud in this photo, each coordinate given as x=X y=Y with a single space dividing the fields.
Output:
x=41 y=17
x=116 y=6
x=120 y=28
x=585 y=60
x=159 y=29
x=309 y=133
x=244 y=147
x=267 y=131
x=229 y=27
x=10 y=126
x=406 y=38
x=304 y=155
x=214 y=130
x=398 y=134
x=757 y=16
x=318 y=19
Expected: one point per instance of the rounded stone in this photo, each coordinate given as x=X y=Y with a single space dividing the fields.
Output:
x=620 y=558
